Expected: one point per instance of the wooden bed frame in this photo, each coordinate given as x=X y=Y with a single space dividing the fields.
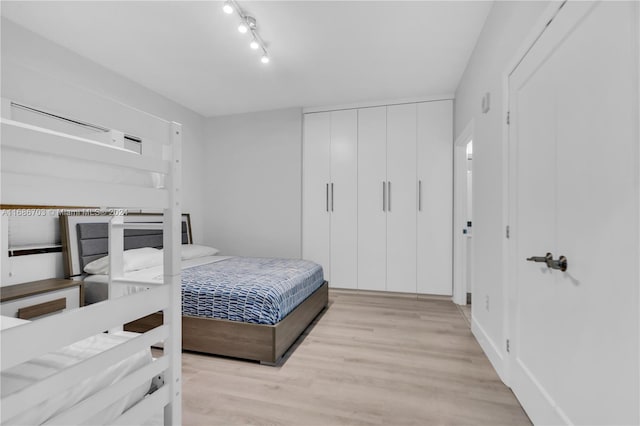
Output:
x=257 y=342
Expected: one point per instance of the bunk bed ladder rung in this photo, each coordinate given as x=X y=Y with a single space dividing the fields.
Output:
x=124 y=281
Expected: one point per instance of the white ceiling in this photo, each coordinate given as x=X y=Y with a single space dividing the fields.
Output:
x=323 y=52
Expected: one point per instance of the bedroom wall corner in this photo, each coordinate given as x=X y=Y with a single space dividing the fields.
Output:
x=506 y=28
x=254 y=183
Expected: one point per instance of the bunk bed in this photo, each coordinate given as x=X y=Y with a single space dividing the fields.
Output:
x=49 y=169
x=248 y=308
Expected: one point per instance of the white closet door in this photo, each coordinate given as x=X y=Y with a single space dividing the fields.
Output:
x=372 y=216
x=401 y=198
x=435 y=197
x=315 y=195
x=344 y=199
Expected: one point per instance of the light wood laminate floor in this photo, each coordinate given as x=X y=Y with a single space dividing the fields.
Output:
x=369 y=359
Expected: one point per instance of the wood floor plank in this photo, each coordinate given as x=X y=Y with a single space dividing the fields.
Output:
x=369 y=359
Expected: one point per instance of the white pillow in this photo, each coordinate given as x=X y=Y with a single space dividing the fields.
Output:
x=193 y=251
x=134 y=259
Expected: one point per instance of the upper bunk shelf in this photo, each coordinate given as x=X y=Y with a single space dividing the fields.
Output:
x=41 y=166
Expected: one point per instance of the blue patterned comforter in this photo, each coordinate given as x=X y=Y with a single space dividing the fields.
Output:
x=246 y=289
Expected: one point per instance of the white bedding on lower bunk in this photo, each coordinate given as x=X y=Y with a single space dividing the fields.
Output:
x=23 y=375
x=96 y=286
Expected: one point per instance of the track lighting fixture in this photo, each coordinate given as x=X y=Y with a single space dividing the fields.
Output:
x=248 y=24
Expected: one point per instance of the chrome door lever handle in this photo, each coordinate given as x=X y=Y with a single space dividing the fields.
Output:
x=560 y=264
x=542 y=259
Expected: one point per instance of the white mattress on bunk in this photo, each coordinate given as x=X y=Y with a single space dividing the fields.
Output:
x=96 y=290
x=23 y=375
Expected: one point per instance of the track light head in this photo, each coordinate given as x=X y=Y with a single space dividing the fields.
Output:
x=248 y=22
x=254 y=44
x=265 y=59
x=227 y=8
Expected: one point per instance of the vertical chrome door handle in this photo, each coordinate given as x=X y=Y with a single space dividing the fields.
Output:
x=327 y=194
x=331 y=196
x=389 y=197
x=419 y=195
x=384 y=196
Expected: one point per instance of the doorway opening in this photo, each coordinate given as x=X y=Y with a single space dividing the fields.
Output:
x=467 y=232
x=463 y=221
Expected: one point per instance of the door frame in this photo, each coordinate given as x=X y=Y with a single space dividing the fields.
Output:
x=459 y=214
x=637 y=176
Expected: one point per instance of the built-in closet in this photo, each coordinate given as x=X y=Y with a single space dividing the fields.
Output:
x=377 y=196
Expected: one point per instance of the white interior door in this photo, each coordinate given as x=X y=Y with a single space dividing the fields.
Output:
x=344 y=199
x=435 y=197
x=401 y=198
x=316 y=152
x=574 y=176
x=372 y=216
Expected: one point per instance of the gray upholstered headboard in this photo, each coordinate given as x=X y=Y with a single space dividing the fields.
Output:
x=93 y=240
x=85 y=239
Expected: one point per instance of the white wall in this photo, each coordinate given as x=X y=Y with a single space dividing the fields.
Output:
x=37 y=71
x=506 y=28
x=254 y=183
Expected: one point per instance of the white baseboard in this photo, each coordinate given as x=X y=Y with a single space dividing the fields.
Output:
x=493 y=352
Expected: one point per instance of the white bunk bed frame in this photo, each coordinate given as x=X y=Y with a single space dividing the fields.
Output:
x=39 y=183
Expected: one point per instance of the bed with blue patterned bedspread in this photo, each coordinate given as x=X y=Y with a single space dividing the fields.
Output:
x=246 y=289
